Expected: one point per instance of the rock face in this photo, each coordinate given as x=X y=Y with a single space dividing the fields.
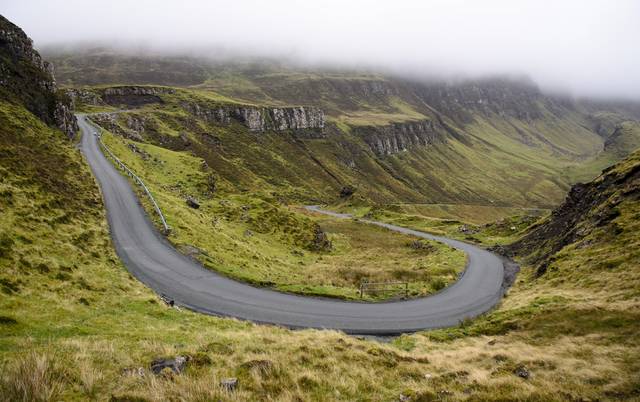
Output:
x=135 y=125
x=193 y=203
x=262 y=118
x=177 y=364
x=517 y=99
x=84 y=96
x=26 y=78
x=134 y=95
x=587 y=206
x=398 y=137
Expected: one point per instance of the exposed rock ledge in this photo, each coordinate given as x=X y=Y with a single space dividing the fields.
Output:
x=262 y=118
x=26 y=78
x=398 y=137
x=134 y=95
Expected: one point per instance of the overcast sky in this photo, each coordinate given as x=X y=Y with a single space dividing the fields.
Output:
x=586 y=47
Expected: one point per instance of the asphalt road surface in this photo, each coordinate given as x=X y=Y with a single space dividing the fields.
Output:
x=151 y=259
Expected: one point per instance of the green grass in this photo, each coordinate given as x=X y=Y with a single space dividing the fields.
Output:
x=626 y=137
x=254 y=239
x=74 y=323
x=371 y=116
x=481 y=224
x=543 y=157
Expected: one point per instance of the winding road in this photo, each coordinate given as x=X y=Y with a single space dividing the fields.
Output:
x=151 y=259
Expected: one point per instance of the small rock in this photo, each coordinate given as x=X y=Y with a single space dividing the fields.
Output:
x=133 y=372
x=176 y=365
x=229 y=384
x=346 y=191
x=184 y=138
x=193 y=203
x=248 y=233
x=491 y=342
x=428 y=376
x=404 y=398
x=522 y=372
x=513 y=228
x=190 y=250
x=168 y=301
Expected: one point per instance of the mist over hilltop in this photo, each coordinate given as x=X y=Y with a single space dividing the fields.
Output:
x=586 y=48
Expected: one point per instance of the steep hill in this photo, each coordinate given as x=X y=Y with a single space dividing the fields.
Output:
x=602 y=214
x=391 y=139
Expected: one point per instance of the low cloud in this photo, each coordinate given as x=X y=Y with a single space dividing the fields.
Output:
x=582 y=47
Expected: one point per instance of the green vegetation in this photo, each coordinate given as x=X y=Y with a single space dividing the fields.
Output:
x=252 y=237
x=76 y=325
x=485 y=225
x=624 y=137
x=544 y=144
x=300 y=169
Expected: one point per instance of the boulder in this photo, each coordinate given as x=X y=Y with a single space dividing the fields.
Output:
x=522 y=372
x=176 y=365
x=347 y=191
x=193 y=203
x=229 y=384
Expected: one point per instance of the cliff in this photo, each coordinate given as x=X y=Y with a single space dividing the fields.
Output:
x=28 y=80
x=588 y=208
x=499 y=96
x=134 y=95
x=398 y=137
x=261 y=118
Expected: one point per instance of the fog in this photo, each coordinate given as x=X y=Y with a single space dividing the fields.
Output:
x=586 y=48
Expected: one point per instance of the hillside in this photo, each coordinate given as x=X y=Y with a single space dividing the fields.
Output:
x=601 y=215
x=75 y=325
x=392 y=139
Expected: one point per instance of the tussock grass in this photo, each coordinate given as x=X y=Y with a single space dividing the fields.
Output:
x=32 y=377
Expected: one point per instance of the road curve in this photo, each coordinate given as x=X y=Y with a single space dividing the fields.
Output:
x=151 y=259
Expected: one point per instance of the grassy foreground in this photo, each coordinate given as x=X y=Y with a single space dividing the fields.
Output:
x=74 y=323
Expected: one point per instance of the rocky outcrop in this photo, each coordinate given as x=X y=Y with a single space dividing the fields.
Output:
x=519 y=99
x=398 y=137
x=135 y=125
x=84 y=96
x=587 y=207
x=262 y=118
x=176 y=365
x=27 y=79
x=134 y=95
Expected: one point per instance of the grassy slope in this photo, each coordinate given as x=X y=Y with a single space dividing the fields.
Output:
x=254 y=238
x=70 y=330
x=543 y=156
x=625 y=137
x=469 y=171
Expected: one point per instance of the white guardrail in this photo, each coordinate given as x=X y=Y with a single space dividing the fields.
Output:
x=138 y=180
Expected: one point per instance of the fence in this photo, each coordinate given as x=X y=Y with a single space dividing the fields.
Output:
x=138 y=180
x=379 y=287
